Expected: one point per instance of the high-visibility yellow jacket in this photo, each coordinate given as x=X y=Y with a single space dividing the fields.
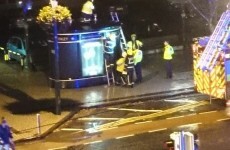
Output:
x=134 y=44
x=88 y=8
x=168 y=52
x=138 y=56
x=120 y=64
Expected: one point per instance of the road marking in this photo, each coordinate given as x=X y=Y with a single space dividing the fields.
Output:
x=175 y=117
x=121 y=137
x=89 y=119
x=149 y=116
x=133 y=110
x=71 y=129
x=191 y=114
x=223 y=119
x=157 y=130
x=191 y=124
x=93 y=142
x=207 y=112
x=178 y=101
x=143 y=122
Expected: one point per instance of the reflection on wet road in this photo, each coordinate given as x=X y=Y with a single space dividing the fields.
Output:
x=135 y=125
x=152 y=134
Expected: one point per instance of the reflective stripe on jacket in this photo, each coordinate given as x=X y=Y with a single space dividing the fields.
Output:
x=129 y=61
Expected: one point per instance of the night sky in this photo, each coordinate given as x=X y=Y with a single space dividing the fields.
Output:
x=138 y=16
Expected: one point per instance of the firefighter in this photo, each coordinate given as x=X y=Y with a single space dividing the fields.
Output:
x=138 y=55
x=135 y=45
x=110 y=44
x=129 y=66
x=87 y=10
x=168 y=56
x=121 y=72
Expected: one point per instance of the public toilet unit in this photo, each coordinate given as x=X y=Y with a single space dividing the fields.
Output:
x=82 y=53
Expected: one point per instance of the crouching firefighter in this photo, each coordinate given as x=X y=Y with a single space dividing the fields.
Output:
x=121 y=71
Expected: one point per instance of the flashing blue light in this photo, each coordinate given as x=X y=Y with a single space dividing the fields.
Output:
x=29 y=6
x=77 y=85
x=26 y=5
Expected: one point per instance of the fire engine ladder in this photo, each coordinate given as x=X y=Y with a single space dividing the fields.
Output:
x=114 y=16
x=123 y=40
x=212 y=50
x=109 y=73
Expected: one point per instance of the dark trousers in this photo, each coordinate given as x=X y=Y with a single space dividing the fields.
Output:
x=168 y=66
x=130 y=76
x=120 y=78
x=138 y=71
x=86 y=16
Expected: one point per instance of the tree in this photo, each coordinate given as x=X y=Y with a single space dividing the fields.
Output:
x=208 y=10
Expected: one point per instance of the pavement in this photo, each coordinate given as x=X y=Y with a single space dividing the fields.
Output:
x=27 y=102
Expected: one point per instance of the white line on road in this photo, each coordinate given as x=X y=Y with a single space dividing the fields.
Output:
x=134 y=110
x=157 y=130
x=124 y=136
x=143 y=122
x=207 y=112
x=99 y=119
x=93 y=142
x=71 y=129
x=175 y=117
x=191 y=114
x=191 y=124
x=177 y=101
x=223 y=119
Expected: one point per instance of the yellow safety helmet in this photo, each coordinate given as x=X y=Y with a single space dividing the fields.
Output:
x=129 y=52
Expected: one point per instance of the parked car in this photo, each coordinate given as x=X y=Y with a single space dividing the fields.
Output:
x=37 y=56
x=31 y=51
x=15 y=48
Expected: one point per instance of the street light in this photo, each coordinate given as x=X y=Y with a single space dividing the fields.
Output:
x=183 y=16
x=54 y=4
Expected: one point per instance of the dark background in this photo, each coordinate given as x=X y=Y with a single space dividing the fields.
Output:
x=137 y=16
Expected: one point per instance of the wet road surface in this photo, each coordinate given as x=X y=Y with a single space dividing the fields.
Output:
x=139 y=125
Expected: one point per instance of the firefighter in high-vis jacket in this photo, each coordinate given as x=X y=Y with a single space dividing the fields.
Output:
x=129 y=66
x=136 y=46
x=87 y=10
x=134 y=43
x=121 y=71
x=168 y=56
x=138 y=55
